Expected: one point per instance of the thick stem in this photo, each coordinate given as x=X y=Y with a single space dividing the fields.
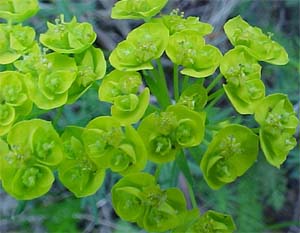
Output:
x=192 y=195
x=185 y=83
x=175 y=82
x=162 y=83
x=217 y=96
x=214 y=82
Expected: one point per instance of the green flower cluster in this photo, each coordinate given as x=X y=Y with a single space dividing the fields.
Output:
x=49 y=76
x=278 y=123
x=33 y=150
x=138 y=198
x=63 y=64
x=240 y=65
x=120 y=88
x=166 y=133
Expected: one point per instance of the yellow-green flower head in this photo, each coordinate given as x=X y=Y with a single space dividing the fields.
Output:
x=244 y=87
x=15 y=40
x=210 y=222
x=121 y=89
x=71 y=37
x=194 y=97
x=91 y=67
x=32 y=150
x=142 y=45
x=77 y=171
x=14 y=99
x=165 y=133
x=18 y=10
x=138 y=198
x=50 y=88
x=137 y=9
x=278 y=122
x=187 y=48
x=230 y=154
x=258 y=44
x=176 y=22
x=110 y=147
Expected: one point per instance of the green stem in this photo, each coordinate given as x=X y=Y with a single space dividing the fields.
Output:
x=215 y=94
x=192 y=195
x=214 y=82
x=217 y=97
x=162 y=83
x=57 y=117
x=185 y=83
x=175 y=82
x=157 y=171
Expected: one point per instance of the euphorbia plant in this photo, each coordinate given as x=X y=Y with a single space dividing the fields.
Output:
x=63 y=64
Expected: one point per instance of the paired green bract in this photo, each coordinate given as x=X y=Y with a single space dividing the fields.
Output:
x=14 y=100
x=138 y=198
x=209 y=222
x=120 y=88
x=32 y=151
x=77 y=171
x=109 y=146
x=259 y=45
x=244 y=86
x=142 y=45
x=165 y=133
x=231 y=153
x=278 y=122
x=18 y=10
x=239 y=66
x=63 y=65
x=187 y=48
x=137 y=9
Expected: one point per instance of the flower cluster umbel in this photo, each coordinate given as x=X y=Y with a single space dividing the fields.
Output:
x=59 y=67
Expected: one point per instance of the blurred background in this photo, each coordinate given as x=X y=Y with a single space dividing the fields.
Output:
x=265 y=199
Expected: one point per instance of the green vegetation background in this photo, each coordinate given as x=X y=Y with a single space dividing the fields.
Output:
x=266 y=199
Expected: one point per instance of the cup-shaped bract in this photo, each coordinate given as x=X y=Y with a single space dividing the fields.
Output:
x=91 y=67
x=50 y=88
x=187 y=48
x=121 y=88
x=194 y=97
x=137 y=198
x=14 y=99
x=165 y=133
x=15 y=40
x=210 y=222
x=18 y=10
x=165 y=208
x=109 y=147
x=137 y=9
x=34 y=150
x=68 y=37
x=238 y=66
x=127 y=198
x=77 y=171
x=177 y=23
x=230 y=154
x=259 y=45
x=183 y=46
x=142 y=45
x=278 y=123
x=244 y=87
